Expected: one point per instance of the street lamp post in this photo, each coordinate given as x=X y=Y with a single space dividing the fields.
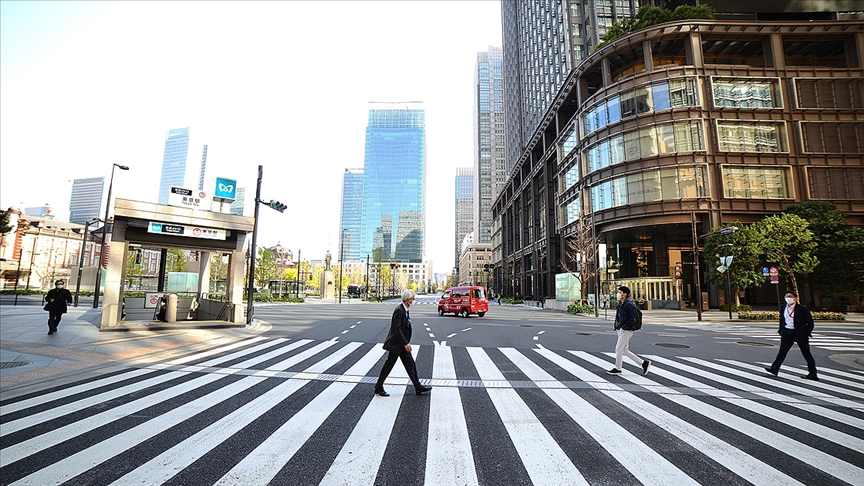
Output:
x=341 y=256
x=104 y=236
x=33 y=256
x=81 y=257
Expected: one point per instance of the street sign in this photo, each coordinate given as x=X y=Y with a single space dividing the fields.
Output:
x=188 y=231
x=765 y=271
x=189 y=198
x=151 y=300
x=225 y=189
x=773 y=271
x=775 y=279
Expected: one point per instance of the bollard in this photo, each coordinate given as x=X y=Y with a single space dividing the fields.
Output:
x=171 y=311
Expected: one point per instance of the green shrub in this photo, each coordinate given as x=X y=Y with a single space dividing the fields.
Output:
x=580 y=309
x=736 y=308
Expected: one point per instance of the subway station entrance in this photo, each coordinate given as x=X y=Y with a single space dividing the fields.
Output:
x=153 y=225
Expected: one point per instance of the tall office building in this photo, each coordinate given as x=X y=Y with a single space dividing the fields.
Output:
x=489 y=155
x=239 y=203
x=667 y=133
x=544 y=40
x=351 y=216
x=203 y=169
x=86 y=199
x=464 y=207
x=173 y=161
x=392 y=226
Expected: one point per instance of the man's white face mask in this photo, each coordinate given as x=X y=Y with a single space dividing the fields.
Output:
x=790 y=300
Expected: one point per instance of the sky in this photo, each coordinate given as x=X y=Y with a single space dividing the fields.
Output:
x=285 y=85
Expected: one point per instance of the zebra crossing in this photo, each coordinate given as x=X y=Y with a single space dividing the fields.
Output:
x=282 y=411
x=845 y=341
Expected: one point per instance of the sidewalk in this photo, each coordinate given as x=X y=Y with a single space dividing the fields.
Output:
x=28 y=353
x=714 y=316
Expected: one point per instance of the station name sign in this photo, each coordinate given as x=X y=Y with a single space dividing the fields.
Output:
x=189 y=198
x=186 y=230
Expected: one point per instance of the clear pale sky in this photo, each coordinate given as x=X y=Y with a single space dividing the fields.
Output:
x=282 y=84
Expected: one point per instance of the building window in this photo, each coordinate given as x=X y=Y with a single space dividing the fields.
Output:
x=757 y=182
x=657 y=97
x=836 y=183
x=658 y=185
x=826 y=94
x=833 y=138
x=750 y=137
x=645 y=142
x=744 y=93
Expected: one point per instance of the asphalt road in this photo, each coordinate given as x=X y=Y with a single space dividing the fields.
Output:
x=520 y=397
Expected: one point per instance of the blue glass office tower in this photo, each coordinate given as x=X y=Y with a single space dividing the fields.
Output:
x=352 y=216
x=173 y=161
x=394 y=183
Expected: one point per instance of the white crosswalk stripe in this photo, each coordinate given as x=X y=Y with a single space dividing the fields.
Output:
x=171 y=421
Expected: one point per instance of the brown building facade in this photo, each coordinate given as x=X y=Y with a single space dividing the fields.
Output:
x=675 y=130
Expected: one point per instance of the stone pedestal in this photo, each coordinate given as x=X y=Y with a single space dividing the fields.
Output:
x=328 y=284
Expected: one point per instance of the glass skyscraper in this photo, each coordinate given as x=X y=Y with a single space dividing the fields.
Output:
x=173 y=162
x=352 y=215
x=392 y=226
x=489 y=154
x=86 y=199
x=464 y=207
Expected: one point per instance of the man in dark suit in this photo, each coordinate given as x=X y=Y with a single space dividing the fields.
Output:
x=58 y=300
x=796 y=326
x=399 y=347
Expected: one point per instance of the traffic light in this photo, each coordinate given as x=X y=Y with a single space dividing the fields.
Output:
x=278 y=206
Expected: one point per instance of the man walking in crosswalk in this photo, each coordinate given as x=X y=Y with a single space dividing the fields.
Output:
x=625 y=325
x=398 y=344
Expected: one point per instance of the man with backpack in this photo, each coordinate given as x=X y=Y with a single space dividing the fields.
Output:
x=628 y=318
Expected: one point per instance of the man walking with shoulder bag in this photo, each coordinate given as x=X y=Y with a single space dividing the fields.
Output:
x=626 y=322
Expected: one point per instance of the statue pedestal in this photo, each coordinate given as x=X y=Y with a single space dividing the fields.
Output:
x=328 y=284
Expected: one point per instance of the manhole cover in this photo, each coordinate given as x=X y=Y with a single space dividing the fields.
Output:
x=582 y=333
x=671 y=345
x=13 y=364
x=751 y=343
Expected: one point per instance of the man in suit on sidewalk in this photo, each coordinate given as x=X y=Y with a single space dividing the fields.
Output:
x=796 y=326
x=399 y=347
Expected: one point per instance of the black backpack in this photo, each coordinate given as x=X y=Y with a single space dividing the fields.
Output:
x=638 y=324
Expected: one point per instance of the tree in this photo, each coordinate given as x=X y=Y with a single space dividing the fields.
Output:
x=839 y=249
x=265 y=267
x=5 y=227
x=746 y=258
x=580 y=251
x=133 y=268
x=785 y=239
x=176 y=261
x=649 y=15
x=218 y=267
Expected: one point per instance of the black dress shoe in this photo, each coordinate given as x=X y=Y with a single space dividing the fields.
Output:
x=769 y=370
x=50 y=332
x=811 y=377
x=382 y=393
x=420 y=391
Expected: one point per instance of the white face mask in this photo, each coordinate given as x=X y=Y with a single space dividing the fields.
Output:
x=790 y=300
x=619 y=295
x=60 y=286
